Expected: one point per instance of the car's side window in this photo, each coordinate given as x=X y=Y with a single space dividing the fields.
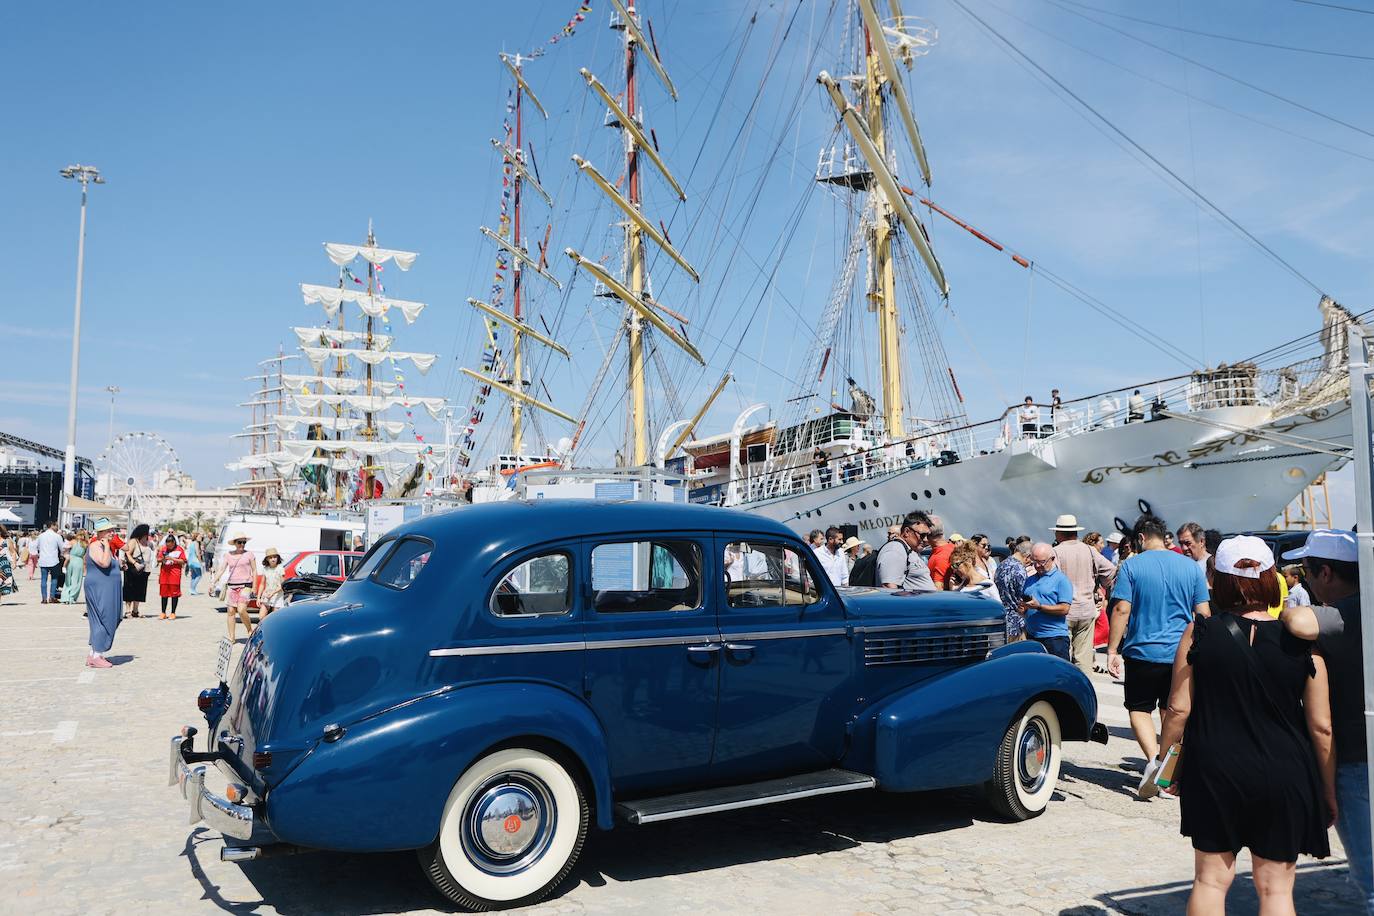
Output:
x=370 y=562
x=308 y=565
x=538 y=587
x=329 y=564
x=763 y=574
x=646 y=576
x=402 y=566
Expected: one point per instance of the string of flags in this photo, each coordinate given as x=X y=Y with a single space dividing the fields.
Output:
x=564 y=33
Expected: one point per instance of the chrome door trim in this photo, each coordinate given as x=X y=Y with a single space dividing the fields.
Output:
x=691 y=639
x=785 y=634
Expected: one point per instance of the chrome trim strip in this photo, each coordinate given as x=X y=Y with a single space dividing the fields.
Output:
x=786 y=634
x=515 y=649
x=690 y=639
x=942 y=625
x=752 y=802
x=695 y=639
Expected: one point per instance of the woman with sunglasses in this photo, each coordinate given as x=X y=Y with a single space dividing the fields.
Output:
x=239 y=569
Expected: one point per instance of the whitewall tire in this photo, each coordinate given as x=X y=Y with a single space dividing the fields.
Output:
x=1027 y=766
x=511 y=830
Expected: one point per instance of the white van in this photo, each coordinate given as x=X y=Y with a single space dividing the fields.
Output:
x=289 y=534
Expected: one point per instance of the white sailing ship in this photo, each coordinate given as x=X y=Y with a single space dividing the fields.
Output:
x=1231 y=446
x=345 y=431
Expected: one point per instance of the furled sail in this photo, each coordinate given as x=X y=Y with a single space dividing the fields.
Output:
x=341 y=254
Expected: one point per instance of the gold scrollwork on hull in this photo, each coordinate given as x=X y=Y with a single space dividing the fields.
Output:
x=1172 y=458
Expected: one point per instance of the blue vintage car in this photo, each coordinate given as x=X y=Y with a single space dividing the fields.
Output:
x=493 y=681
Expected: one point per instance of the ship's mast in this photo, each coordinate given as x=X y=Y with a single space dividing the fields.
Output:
x=369 y=429
x=516 y=351
x=882 y=293
x=634 y=260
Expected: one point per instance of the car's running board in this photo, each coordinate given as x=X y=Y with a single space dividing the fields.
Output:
x=707 y=801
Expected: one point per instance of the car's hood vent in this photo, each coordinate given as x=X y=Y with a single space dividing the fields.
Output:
x=915 y=646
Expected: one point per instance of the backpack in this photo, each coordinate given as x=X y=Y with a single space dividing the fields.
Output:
x=865 y=569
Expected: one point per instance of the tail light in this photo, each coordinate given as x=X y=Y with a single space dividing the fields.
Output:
x=262 y=760
x=207 y=699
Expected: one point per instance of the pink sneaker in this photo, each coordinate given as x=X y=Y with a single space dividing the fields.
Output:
x=98 y=661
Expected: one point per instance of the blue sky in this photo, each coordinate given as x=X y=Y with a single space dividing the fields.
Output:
x=236 y=140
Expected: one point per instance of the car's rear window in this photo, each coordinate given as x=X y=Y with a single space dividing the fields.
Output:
x=404 y=563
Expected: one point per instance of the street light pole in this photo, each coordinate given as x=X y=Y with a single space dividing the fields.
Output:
x=84 y=174
x=113 y=390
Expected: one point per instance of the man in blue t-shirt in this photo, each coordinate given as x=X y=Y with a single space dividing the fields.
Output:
x=1156 y=595
x=1047 y=596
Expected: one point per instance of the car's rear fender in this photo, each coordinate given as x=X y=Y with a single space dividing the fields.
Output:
x=383 y=784
x=945 y=732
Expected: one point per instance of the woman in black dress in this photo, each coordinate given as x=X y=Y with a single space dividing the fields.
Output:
x=1249 y=702
x=133 y=560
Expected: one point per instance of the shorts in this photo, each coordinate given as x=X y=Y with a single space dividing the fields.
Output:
x=237 y=595
x=1055 y=645
x=1147 y=685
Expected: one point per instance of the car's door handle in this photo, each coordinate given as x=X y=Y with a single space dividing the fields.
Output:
x=738 y=647
x=709 y=648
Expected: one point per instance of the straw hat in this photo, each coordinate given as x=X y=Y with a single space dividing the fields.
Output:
x=103 y=524
x=1066 y=523
x=237 y=536
x=851 y=543
x=271 y=552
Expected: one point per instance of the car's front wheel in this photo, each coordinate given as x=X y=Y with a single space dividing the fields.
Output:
x=1027 y=766
x=511 y=830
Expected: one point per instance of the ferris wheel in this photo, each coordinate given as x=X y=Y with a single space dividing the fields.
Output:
x=134 y=465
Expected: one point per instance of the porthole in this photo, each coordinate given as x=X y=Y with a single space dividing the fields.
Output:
x=863 y=505
x=875 y=504
x=914 y=496
x=942 y=491
x=927 y=494
x=818 y=513
x=851 y=507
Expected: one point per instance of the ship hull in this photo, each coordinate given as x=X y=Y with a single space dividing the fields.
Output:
x=1185 y=469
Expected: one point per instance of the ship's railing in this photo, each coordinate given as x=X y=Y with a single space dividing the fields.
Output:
x=1235 y=386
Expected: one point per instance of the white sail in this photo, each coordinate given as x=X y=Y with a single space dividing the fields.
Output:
x=288 y=422
x=318 y=355
x=341 y=254
x=331 y=297
x=435 y=406
x=334 y=335
x=337 y=383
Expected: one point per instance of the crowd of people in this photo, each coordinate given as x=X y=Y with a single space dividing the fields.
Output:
x=1257 y=692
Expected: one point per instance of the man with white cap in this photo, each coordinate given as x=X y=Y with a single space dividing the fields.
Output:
x=1330 y=561
x=1114 y=540
x=1087 y=569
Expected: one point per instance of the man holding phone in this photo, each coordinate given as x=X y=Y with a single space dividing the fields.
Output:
x=1045 y=600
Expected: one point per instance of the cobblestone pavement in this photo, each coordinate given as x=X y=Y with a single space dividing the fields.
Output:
x=88 y=825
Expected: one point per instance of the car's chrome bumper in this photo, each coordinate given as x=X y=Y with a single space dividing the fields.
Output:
x=217 y=812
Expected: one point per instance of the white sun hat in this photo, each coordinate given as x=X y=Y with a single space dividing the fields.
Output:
x=1327 y=545
x=1237 y=550
x=1067 y=523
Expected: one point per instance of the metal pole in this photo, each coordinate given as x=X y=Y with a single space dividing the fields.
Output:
x=113 y=390
x=69 y=461
x=1364 y=528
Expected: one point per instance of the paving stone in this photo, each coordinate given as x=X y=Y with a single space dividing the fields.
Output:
x=89 y=826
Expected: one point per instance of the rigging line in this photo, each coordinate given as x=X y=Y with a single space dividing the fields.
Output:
x=1244 y=41
x=1222 y=73
x=1185 y=93
x=1127 y=137
x=1197 y=211
x=1336 y=6
x=1126 y=324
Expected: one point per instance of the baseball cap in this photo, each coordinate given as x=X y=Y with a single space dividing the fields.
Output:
x=1327 y=544
x=1116 y=537
x=1233 y=551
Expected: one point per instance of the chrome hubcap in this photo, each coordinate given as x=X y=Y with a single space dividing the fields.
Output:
x=508 y=823
x=1033 y=755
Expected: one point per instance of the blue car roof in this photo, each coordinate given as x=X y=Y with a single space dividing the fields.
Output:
x=514 y=521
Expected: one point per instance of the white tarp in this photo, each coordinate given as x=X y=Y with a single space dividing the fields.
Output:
x=341 y=254
x=331 y=297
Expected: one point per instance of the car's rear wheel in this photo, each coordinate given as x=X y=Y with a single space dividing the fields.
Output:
x=1027 y=766
x=511 y=830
